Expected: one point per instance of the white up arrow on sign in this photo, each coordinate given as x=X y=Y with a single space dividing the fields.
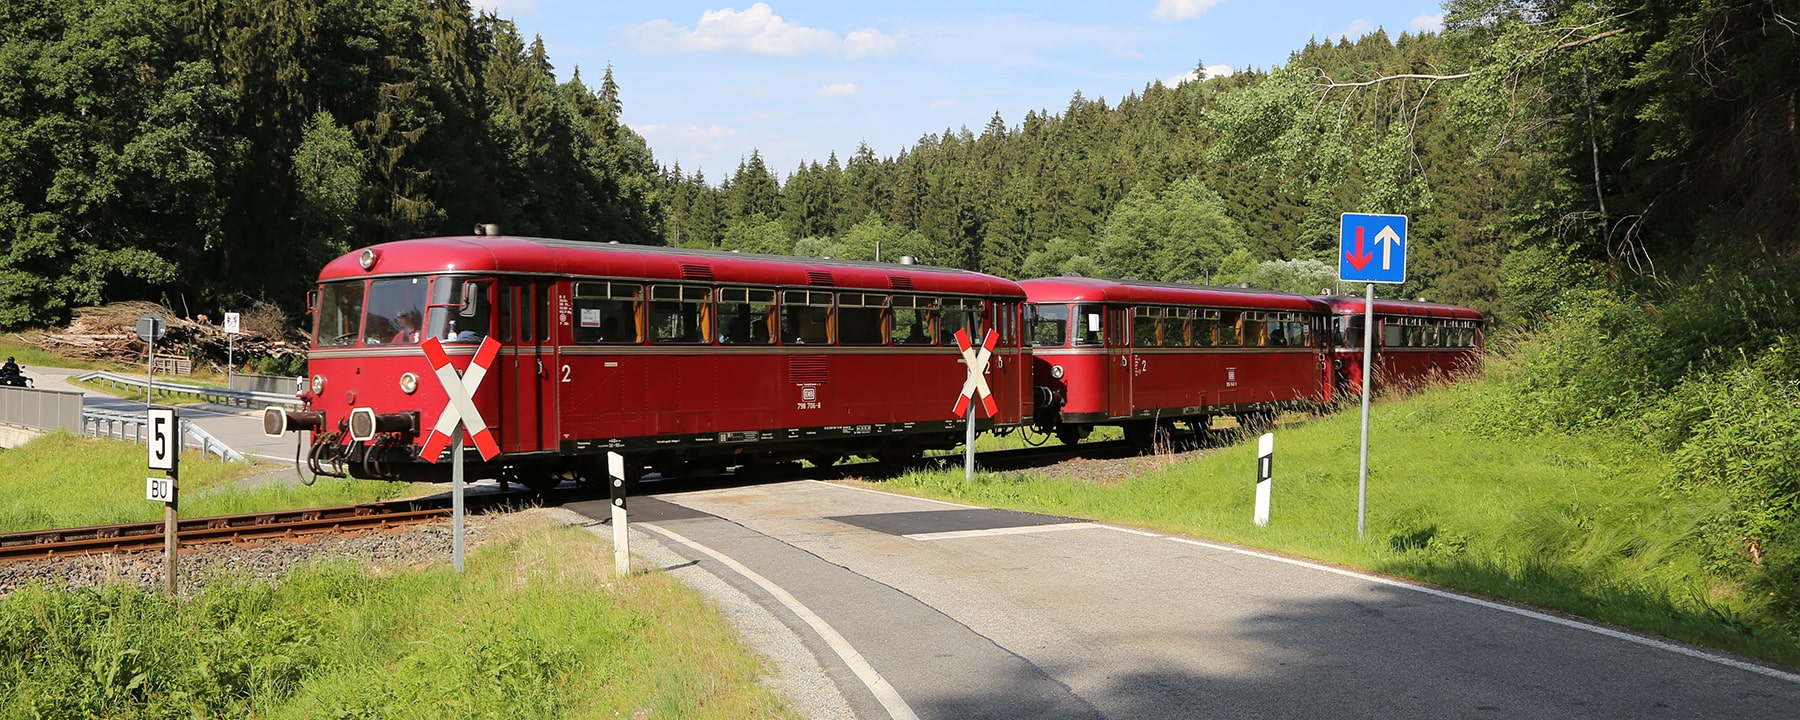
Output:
x=1387 y=239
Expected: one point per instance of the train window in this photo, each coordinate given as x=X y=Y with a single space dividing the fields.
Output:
x=1433 y=336
x=1348 y=331
x=1278 y=331
x=1415 y=335
x=1087 y=325
x=340 y=311
x=746 y=315
x=1254 y=331
x=958 y=314
x=1206 y=328
x=859 y=318
x=387 y=300
x=1297 y=336
x=1144 y=322
x=1230 y=333
x=912 y=321
x=806 y=318
x=1392 y=334
x=1176 y=322
x=608 y=312
x=1049 y=325
x=459 y=310
x=540 y=311
x=678 y=314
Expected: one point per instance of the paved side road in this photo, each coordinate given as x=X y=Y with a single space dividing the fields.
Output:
x=914 y=608
x=238 y=428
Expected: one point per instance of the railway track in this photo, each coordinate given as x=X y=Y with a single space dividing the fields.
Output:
x=127 y=537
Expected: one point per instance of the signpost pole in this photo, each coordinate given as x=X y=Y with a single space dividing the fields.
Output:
x=171 y=520
x=456 y=498
x=969 y=452
x=1362 y=474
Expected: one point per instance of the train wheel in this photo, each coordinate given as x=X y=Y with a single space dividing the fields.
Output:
x=1070 y=435
x=1140 y=434
x=824 y=461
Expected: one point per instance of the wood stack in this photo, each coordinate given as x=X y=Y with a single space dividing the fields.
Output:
x=109 y=334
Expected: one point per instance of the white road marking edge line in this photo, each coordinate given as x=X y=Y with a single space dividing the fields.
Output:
x=1522 y=612
x=878 y=685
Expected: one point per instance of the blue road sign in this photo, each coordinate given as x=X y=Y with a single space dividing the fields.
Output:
x=1372 y=248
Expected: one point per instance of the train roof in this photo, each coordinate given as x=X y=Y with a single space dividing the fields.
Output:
x=1084 y=289
x=1350 y=304
x=503 y=255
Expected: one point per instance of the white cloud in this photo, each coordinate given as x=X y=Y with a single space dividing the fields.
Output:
x=1179 y=10
x=712 y=135
x=1212 y=71
x=1358 y=28
x=867 y=42
x=838 y=90
x=506 y=8
x=1427 y=22
x=757 y=31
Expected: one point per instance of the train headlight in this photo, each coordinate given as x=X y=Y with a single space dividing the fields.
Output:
x=367 y=259
x=1056 y=371
x=318 y=386
x=409 y=383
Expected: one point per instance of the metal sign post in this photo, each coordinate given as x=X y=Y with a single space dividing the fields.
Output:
x=615 y=469
x=1357 y=264
x=165 y=455
x=1265 y=461
x=232 y=327
x=150 y=328
x=975 y=385
x=459 y=416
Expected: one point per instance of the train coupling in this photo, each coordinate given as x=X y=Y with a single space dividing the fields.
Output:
x=278 y=421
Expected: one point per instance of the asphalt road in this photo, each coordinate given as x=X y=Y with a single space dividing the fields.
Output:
x=239 y=429
x=914 y=608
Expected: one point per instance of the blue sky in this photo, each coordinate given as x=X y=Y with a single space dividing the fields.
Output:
x=707 y=82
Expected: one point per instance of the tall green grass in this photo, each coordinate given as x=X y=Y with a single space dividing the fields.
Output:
x=536 y=629
x=63 y=480
x=1581 y=522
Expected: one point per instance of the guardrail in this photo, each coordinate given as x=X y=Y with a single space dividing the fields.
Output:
x=134 y=426
x=216 y=396
x=41 y=409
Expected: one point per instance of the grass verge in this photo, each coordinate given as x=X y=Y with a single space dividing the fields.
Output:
x=536 y=629
x=1581 y=523
x=64 y=480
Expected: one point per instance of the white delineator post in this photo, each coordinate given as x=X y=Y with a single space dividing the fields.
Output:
x=1265 y=461
x=615 y=469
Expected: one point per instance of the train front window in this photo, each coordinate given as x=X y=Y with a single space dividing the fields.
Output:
x=460 y=310
x=1087 y=325
x=394 y=309
x=1049 y=325
x=1347 y=331
x=340 y=311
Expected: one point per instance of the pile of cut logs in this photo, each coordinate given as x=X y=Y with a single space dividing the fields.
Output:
x=109 y=334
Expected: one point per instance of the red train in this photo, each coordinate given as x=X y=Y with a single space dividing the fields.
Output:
x=693 y=360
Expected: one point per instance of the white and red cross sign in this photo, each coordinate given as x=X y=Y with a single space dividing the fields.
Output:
x=977 y=361
x=461 y=407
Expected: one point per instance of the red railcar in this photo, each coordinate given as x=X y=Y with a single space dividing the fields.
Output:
x=1145 y=356
x=1414 y=342
x=676 y=357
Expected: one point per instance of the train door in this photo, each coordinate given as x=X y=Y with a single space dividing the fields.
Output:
x=1010 y=371
x=526 y=363
x=1121 y=364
